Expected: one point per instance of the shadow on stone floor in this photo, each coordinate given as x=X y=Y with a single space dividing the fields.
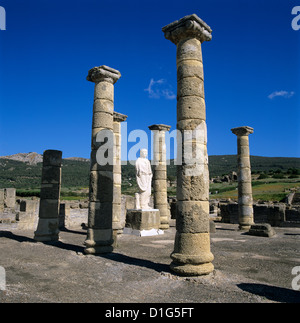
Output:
x=273 y=293
x=114 y=256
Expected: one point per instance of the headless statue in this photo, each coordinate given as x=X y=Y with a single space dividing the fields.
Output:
x=144 y=180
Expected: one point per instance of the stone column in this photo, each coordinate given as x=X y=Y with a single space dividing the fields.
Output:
x=191 y=255
x=244 y=177
x=100 y=233
x=117 y=195
x=160 y=173
x=47 y=229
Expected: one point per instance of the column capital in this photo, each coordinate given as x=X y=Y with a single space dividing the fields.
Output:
x=242 y=131
x=119 y=117
x=103 y=73
x=188 y=26
x=160 y=127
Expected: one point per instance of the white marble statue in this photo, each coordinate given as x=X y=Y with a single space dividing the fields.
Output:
x=144 y=180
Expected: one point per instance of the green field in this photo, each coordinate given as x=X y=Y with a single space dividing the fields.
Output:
x=264 y=190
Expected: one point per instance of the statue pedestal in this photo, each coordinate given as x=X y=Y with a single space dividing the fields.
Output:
x=142 y=222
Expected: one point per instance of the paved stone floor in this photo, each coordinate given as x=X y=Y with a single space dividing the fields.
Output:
x=247 y=269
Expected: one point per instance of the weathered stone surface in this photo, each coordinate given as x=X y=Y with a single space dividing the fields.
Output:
x=192 y=217
x=49 y=208
x=192 y=187
x=9 y=197
x=143 y=219
x=50 y=191
x=28 y=206
x=191 y=107
x=103 y=74
x=103 y=105
x=102 y=120
x=47 y=230
x=189 y=68
x=101 y=186
x=244 y=177
x=100 y=215
x=191 y=254
x=190 y=26
x=51 y=175
x=52 y=158
x=192 y=248
x=103 y=182
x=261 y=230
x=190 y=86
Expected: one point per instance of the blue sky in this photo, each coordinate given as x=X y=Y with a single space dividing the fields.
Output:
x=251 y=71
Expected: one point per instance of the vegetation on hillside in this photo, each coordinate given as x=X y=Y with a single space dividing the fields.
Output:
x=75 y=176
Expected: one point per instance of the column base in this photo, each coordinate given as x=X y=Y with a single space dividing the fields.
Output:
x=192 y=270
x=243 y=227
x=99 y=241
x=47 y=230
x=164 y=226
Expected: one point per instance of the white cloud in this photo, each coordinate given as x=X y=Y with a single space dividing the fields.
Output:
x=156 y=91
x=284 y=94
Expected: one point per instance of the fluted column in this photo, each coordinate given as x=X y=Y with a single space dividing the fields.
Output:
x=47 y=229
x=160 y=173
x=191 y=255
x=245 y=201
x=100 y=217
x=117 y=196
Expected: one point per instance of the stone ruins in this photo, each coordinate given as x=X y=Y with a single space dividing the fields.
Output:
x=191 y=255
x=47 y=229
x=244 y=177
x=108 y=213
x=160 y=174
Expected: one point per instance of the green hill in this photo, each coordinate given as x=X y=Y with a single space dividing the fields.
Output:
x=75 y=173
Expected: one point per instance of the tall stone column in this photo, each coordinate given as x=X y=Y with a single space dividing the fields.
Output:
x=245 y=200
x=191 y=255
x=100 y=232
x=48 y=224
x=160 y=174
x=117 y=195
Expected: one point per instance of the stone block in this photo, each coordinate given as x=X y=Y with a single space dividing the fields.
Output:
x=261 y=230
x=104 y=90
x=102 y=120
x=193 y=187
x=190 y=86
x=192 y=216
x=192 y=248
x=101 y=186
x=9 y=197
x=190 y=68
x=28 y=206
x=50 y=191
x=191 y=107
x=51 y=175
x=100 y=215
x=47 y=230
x=52 y=158
x=102 y=105
x=189 y=49
x=49 y=209
x=143 y=219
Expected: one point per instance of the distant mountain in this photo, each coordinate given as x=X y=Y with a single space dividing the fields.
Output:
x=35 y=158
x=30 y=158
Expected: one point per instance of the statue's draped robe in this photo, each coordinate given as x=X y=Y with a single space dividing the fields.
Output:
x=143 y=174
x=144 y=179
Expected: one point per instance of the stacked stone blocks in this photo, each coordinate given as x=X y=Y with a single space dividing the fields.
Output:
x=48 y=225
x=191 y=255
